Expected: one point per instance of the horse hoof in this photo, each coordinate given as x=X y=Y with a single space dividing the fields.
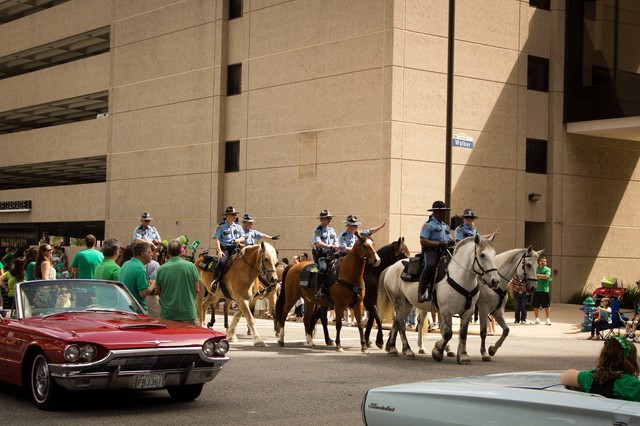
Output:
x=410 y=355
x=369 y=344
x=422 y=351
x=281 y=343
x=380 y=345
x=234 y=339
x=330 y=343
x=437 y=355
x=364 y=350
x=260 y=344
x=492 y=350
x=464 y=359
x=451 y=354
x=339 y=349
x=486 y=358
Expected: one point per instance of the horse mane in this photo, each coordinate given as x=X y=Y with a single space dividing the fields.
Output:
x=269 y=251
x=507 y=256
x=483 y=244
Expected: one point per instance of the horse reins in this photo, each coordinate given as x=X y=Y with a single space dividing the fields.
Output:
x=265 y=271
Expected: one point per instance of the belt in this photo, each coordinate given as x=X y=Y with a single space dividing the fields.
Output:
x=227 y=247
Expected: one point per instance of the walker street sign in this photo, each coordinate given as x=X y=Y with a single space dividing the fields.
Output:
x=463 y=141
x=15 y=206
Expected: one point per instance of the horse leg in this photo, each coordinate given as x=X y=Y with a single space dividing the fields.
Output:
x=225 y=309
x=357 y=313
x=212 y=301
x=463 y=357
x=400 y=322
x=446 y=332
x=483 y=335
x=245 y=309
x=499 y=316
x=420 y=329
x=367 y=333
x=231 y=331
x=309 y=322
x=282 y=318
x=321 y=313
x=339 y=311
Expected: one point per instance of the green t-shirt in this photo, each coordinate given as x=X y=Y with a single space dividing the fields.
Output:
x=87 y=261
x=30 y=271
x=543 y=285
x=134 y=275
x=625 y=387
x=177 y=295
x=11 y=282
x=107 y=270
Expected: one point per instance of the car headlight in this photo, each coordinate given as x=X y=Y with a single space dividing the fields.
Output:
x=211 y=348
x=88 y=352
x=71 y=353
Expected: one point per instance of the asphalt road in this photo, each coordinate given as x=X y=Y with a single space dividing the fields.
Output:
x=297 y=385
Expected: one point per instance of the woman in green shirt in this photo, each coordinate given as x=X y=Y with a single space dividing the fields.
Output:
x=9 y=279
x=616 y=373
x=30 y=262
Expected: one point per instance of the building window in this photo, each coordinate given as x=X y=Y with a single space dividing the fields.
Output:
x=538 y=74
x=541 y=4
x=234 y=79
x=231 y=156
x=235 y=9
x=536 y=156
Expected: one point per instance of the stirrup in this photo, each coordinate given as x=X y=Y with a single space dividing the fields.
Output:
x=424 y=297
x=214 y=285
x=320 y=295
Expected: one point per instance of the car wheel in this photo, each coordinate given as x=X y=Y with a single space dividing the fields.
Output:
x=186 y=392
x=44 y=390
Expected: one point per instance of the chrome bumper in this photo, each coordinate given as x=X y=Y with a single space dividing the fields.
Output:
x=121 y=368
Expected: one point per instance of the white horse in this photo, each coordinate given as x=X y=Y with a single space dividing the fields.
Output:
x=458 y=292
x=492 y=301
x=400 y=296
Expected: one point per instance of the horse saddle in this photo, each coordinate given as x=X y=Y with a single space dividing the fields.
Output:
x=209 y=263
x=309 y=276
x=441 y=271
x=412 y=269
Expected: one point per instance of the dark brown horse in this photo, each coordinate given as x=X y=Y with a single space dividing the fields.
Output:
x=389 y=254
x=347 y=292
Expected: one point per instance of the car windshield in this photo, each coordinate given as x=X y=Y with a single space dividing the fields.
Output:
x=45 y=298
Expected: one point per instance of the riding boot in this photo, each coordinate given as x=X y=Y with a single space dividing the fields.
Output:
x=216 y=276
x=322 y=291
x=424 y=293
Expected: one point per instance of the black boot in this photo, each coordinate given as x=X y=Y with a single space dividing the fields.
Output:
x=322 y=292
x=424 y=295
x=216 y=276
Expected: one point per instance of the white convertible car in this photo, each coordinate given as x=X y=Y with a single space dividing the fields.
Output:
x=531 y=398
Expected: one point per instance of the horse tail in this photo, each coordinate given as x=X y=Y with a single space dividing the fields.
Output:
x=282 y=297
x=385 y=307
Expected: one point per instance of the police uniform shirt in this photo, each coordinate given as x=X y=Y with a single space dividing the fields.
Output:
x=347 y=241
x=226 y=233
x=146 y=233
x=251 y=236
x=325 y=235
x=463 y=231
x=435 y=230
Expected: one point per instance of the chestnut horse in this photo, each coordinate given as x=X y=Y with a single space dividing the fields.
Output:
x=347 y=292
x=240 y=281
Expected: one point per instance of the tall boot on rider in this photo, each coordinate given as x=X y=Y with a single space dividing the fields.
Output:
x=321 y=294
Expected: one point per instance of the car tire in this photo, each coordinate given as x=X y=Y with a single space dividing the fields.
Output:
x=46 y=393
x=186 y=392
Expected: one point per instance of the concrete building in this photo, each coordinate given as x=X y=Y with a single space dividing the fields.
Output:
x=282 y=108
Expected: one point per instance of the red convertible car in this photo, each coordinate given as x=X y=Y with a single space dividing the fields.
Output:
x=70 y=335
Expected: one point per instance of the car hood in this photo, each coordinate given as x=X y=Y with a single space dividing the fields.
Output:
x=115 y=331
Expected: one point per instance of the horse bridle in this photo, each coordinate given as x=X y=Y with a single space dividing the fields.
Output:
x=362 y=256
x=482 y=271
x=265 y=271
x=521 y=263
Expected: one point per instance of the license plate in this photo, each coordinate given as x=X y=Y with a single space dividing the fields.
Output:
x=149 y=381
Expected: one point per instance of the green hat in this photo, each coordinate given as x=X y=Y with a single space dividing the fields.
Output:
x=589 y=301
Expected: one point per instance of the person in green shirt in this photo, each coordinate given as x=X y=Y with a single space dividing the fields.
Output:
x=134 y=275
x=615 y=375
x=541 y=297
x=178 y=284
x=86 y=261
x=30 y=262
x=9 y=279
x=108 y=269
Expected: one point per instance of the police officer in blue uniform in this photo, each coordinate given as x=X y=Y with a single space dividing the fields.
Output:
x=251 y=235
x=325 y=243
x=466 y=229
x=347 y=239
x=227 y=236
x=435 y=238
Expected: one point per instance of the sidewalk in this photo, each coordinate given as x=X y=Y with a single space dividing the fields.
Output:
x=566 y=322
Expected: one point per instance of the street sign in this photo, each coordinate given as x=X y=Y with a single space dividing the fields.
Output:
x=463 y=141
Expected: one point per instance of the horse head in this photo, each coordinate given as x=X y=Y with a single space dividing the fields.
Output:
x=268 y=260
x=366 y=249
x=529 y=265
x=484 y=259
x=401 y=251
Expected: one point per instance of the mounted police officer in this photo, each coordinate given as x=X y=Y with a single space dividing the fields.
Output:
x=325 y=243
x=347 y=239
x=467 y=229
x=146 y=231
x=435 y=238
x=251 y=235
x=227 y=236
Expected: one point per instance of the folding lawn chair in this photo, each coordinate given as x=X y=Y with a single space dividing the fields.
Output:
x=618 y=321
x=600 y=293
x=616 y=293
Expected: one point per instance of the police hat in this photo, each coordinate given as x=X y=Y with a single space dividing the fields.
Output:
x=351 y=220
x=146 y=216
x=231 y=210
x=469 y=213
x=247 y=218
x=325 y=214
x=438 y=205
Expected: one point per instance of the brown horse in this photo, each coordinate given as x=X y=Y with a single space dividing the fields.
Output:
x=346 y=292
x=240 y=281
